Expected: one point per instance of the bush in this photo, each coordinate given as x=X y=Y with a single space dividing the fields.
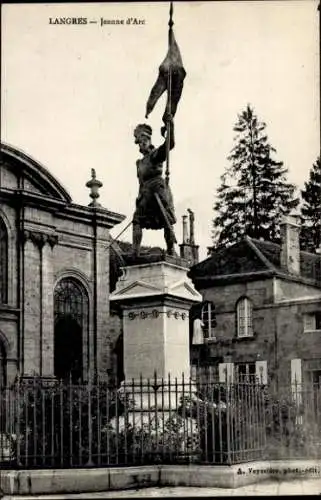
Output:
x=61 y=425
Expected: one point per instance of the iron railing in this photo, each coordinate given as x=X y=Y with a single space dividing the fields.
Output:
x=60 y=424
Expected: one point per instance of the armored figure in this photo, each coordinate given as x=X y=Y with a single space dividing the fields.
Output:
x=154 y=204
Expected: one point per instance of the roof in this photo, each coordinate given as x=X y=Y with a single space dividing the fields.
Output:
x=38 y=187
x=250 y=259
x=309 y=263
x=36 y=172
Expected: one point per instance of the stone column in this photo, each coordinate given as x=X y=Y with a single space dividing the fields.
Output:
x=47 y=307
x=102 y=304
x=38 y=317
x=31 y=303
x=185 y=229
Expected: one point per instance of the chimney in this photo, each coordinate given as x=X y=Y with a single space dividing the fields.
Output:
x=185 y=230
x=290 y=244
x=191 y=227
x=188 y=249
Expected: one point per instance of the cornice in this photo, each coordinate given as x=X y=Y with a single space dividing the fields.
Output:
x=39 y=238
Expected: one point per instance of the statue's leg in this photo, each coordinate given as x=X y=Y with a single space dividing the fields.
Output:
x=137 y=238
x=170 y=239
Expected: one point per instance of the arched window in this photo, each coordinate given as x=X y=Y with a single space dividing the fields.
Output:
x=3 y=263
x=71 y=327
x=244 y=314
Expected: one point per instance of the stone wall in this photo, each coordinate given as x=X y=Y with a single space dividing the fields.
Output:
x=278 y=327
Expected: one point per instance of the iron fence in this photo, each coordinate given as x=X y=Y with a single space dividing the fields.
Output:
x=155 y=421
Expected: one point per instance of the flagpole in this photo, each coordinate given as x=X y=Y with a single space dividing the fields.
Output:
x=170 y=24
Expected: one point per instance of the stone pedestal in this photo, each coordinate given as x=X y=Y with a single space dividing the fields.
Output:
x=155 y=299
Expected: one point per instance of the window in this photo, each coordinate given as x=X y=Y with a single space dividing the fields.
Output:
x=71 y=300
x=312 y=321
x=208 y=319
x=3 y=263
x=245 y=372
x=71 y=328
x=244 y=311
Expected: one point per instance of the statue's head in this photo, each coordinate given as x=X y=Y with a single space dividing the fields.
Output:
x=143 y=136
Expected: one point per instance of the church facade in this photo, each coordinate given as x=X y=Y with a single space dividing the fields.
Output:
x=54 y=276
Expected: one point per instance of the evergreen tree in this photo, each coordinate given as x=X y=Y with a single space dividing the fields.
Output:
x=311 y=210
x=254 y=194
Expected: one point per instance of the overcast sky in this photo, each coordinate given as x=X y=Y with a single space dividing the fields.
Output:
x=72 y=94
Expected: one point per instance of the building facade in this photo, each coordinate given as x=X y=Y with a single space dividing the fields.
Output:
x=267 y=300
x=54 y=276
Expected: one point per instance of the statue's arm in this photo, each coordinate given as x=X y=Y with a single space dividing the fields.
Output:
x=159 y=155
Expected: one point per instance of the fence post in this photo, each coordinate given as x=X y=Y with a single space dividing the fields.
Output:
x=170 y=441
x=43 y=425
x=98 y=420
x=156 y=387
x=134 y=417
x=61 y=422
x=228 y=419
x=18 y=430
x=35 y=402
x=142 y=426
x=90 y=429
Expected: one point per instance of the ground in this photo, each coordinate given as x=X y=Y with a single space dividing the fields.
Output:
x=275 y=488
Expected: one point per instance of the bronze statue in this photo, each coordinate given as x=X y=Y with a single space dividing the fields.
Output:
x=154 y=204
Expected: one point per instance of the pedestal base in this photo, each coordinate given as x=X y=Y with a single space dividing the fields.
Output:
x=157 y=434
x=156 y=419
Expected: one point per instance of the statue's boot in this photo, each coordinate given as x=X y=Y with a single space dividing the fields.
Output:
x=170 y=241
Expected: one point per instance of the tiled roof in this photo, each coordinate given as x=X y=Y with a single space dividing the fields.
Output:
x=252 y=256
x=236 y=259
x=271 y=251
x=309 y=263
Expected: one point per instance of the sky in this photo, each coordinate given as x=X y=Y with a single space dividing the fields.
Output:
x=71 y=95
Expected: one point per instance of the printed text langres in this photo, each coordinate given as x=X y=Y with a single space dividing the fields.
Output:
x=102 y=21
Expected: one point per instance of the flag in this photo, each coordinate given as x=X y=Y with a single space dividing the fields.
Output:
x=170 y=77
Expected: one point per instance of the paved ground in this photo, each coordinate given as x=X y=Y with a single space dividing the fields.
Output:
x=273 y=488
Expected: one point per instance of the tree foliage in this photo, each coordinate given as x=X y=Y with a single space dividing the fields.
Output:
x=254 y=193
x=311 y=210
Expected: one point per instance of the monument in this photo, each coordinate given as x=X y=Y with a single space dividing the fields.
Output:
x=154 y=204
x=154 y=292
